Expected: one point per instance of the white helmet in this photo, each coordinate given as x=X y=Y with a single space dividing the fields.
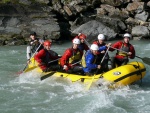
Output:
x=127 y=35
x=101 y=37
x=94 y=47
x=76 y=41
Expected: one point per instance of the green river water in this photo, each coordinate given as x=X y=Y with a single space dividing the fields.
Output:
x=27 y=94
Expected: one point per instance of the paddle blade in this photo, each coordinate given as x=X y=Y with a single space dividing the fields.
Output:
x=20 y=72
x=48 y=74
x=89 y=85
x=146 y=60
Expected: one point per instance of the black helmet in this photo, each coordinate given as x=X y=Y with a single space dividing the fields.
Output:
x=33 y=33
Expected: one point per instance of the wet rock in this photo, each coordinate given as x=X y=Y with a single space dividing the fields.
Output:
x=140 y=31
x=93 y=28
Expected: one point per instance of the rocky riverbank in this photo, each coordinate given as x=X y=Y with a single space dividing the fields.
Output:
x=63 y=19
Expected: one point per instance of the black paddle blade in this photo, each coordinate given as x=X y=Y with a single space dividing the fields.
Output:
x=146 y=60
x=47 y=75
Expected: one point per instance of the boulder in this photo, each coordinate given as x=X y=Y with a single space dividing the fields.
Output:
x=140 y=31
x=113 y=23
x=133 y=7
x=142 y=16
x=93 y=28
x=21 y=19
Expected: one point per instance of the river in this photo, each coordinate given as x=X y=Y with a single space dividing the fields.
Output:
x=27 y=94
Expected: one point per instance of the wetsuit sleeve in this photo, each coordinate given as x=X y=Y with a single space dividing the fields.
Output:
x=102 y=48
x=38 y=57
x=116 y=45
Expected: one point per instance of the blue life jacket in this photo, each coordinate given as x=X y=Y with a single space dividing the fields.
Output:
x=90 y=60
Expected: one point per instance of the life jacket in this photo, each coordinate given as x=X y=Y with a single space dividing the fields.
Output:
x=34 y=47
x=124 y=50
x=76 y=56
x=85 y=57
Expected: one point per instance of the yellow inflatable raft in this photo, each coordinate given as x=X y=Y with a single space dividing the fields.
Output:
x=123 y=75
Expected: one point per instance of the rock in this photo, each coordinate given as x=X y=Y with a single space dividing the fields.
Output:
x=56 y=6
x=101 y=11
x=75 y=2
x=148 y=4
x=132 y=7
x=142 y=16
x=43 y=1
x=132 y=21
x=114 y=2
x=140 y=31
x=21 y=19
x=119 y=14
x=80 y=8
x=13 y=21
x=116 y=24
x=25 y=2
x=67 y=10
x=93 y=28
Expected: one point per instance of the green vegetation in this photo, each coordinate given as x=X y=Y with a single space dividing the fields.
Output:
x=6 y=1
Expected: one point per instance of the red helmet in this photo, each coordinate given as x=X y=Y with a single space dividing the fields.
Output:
x=81 y=36
x=47 y=43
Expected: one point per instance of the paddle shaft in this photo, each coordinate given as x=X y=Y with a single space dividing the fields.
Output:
x=103 y=57
x=76 y=63
x=36 y=51
x=97 y=70
x=86 y=42
x=53 y=72
x=32 y=56
x=123 y=51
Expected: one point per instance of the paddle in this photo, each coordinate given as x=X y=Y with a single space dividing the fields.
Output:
x=31 y=68
x=97 y=69
x=86 y=42
x=29 y=59
x=145 y=59
x=48 y=74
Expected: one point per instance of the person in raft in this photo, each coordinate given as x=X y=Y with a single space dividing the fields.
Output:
x=101 y=42
x=82 y=46
x=124 y=51
x=90 y=66
x=35 y=45
x=70 y=60
x=47 y=59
